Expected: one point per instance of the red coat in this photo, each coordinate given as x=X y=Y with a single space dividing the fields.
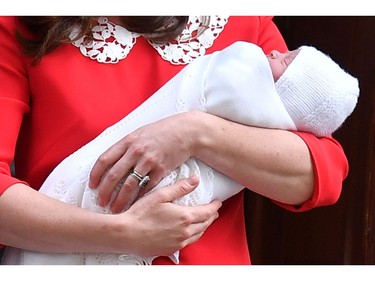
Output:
x=68 y=99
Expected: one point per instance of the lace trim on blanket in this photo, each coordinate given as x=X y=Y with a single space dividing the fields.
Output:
x=112 y=43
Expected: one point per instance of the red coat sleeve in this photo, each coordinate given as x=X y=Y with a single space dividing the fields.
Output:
x=330 y=168
x=13 y=98
x=270 y=37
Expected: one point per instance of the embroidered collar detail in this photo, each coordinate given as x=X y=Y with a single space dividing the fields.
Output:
x=112 y=43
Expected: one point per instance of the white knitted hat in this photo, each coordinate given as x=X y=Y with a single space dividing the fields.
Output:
x=317 y=93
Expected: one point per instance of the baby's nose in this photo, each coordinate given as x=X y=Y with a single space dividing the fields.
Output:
x=274 y=54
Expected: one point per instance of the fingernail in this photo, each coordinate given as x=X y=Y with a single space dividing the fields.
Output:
x=193 y=180
x=100 y=202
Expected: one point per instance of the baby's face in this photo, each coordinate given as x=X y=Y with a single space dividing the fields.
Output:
x=280 y=61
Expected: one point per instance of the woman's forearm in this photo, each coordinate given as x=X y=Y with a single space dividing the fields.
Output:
x=33 y=221
x=273 y=163
x=151 y=227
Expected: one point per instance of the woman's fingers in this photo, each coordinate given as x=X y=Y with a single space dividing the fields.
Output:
x=102 y=165
x=163 y=227
x=152 y=151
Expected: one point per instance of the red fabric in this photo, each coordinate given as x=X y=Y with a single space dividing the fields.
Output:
x=68 y=99
x=327 y=190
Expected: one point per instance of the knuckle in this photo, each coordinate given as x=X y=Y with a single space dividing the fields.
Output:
x=184 y=235
x=139 y=150
x=163 y=168
x=187 y=219
x=185 y=187
x=112 y=176
x=151 y=161
x=103 y=159
x=130 y=138
x=128 y=187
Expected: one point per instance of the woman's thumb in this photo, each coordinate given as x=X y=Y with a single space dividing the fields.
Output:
x=182 y=188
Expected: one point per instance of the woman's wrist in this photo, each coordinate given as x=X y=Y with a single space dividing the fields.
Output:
x=113 y=230
x=196 y=127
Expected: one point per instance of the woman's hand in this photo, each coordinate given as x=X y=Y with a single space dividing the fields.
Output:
x=274 y=163
x=157 y=227
x=153 y=150
x=152 y=226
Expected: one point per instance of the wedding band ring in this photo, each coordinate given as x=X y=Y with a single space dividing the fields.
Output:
x=143 y=181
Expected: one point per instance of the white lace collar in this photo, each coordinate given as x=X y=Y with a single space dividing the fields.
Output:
x=113 y=43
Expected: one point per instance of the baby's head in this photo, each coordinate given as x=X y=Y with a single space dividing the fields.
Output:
x=317 y=92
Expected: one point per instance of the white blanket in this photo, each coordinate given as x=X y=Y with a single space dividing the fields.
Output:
x=235 y=84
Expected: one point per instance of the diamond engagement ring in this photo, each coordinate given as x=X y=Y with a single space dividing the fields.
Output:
x=143 y=181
